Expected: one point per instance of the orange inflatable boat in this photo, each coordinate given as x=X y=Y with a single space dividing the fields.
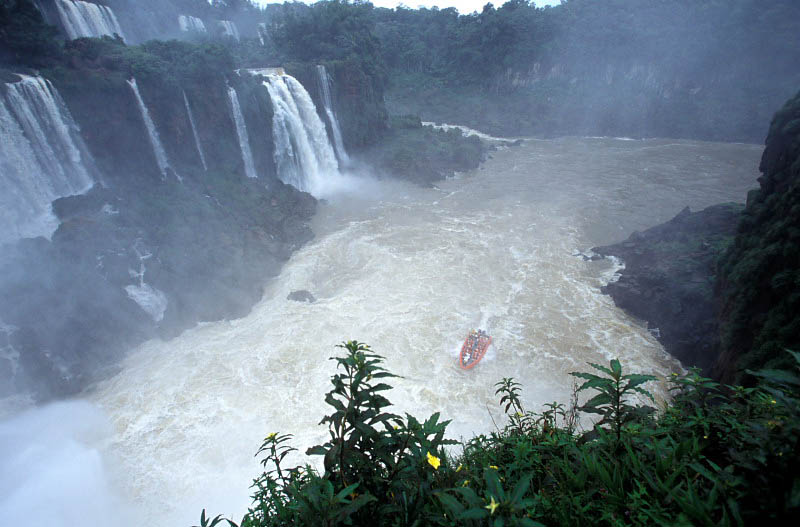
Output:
x=474 y=348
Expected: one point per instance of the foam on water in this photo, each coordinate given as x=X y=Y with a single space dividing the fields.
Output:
x=410 y=272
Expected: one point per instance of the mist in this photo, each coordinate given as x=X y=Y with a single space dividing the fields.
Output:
x=200 y=199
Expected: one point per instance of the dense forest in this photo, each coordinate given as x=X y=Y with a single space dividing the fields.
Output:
x=211 y=223
x=709 y=70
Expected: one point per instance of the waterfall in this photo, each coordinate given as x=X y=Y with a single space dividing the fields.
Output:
x=262 y=33
x=151 y=300
x=241 y=132
x=327 y=100
x=229 y=29
x=194 y=131
x=303 y=154
x=155 y=141
x=42 y=158
x=85 y=19
x=190 y=23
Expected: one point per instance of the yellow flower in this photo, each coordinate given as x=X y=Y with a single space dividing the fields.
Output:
x=774 y=401
x=492 y=506
x=273 y=434
x=434 y=461
x=466 y=482
x=459 y=468
x=494 y=467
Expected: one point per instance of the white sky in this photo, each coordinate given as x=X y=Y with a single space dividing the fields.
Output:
x=463 y=6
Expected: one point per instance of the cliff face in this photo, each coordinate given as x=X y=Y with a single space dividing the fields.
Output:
x=723 y=285
x=669 y=277
x=759 y=285
x=146 y=253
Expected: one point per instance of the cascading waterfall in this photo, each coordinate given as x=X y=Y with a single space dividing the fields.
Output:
x=303 y=154
x=85 y=19
x=190 y=23
x=42 y=158
x=194 y=131
x=152 y=132
x=262 y=33
x=151 y=300
x=241 y=133
x=229 y=29
x=327 y=100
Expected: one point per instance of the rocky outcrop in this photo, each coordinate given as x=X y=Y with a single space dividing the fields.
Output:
x=759 y=286
x=301 y=295
x=122 y=269
x=669 y=278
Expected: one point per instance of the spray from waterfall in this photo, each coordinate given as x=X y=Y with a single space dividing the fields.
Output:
x=304 y=156
x=327 y=100
x=194 y=131
x=190 y=23
x=85 y=19
x=158 y=149
x=229 y=29
x=241 y=133
x=42 y=158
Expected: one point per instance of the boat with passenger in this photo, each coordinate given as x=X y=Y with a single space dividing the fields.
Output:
x=474 y=348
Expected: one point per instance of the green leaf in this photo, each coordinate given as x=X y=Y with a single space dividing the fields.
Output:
x=616 y=368
x=452 y=504
x=345 y=492
x=521 y=488
x=473 y=514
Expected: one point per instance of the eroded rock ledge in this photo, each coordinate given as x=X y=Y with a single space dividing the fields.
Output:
x=669 y=279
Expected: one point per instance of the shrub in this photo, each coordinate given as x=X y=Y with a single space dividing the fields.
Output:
x=717 y=455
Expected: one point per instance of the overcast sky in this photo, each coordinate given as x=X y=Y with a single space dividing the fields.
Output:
x=463 y=6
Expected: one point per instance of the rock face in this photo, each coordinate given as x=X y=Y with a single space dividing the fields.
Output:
x=759 y=286
x=669 y=279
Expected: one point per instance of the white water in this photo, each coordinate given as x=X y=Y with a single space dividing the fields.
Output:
x=151 y=300
x=406 y=269
x=303 y=154
x=262 y=33
x=85 y=19
x=229 y=29
x=194 y=131
x=327 y=100
x=466 y=132
x=241 y=133
x=410 y=270
x=190 y=23
x=152 y=133
x=42 y=158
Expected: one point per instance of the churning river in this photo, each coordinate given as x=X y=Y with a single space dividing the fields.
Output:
x=409 y=271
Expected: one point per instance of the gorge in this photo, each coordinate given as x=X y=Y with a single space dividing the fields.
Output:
x=200 y=200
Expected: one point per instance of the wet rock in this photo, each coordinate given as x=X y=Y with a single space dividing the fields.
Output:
x=669 y=276
x=301 y=296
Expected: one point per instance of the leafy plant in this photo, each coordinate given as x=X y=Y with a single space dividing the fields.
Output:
x=611 y=400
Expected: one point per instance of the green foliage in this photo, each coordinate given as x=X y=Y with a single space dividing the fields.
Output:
x=611 y=67
x=24 y=37
x=760 y=274
x=423 y=154
x=717 y=455
x=610 y=401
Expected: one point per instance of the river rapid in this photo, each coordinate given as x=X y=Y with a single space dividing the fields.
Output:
x=409 y=271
